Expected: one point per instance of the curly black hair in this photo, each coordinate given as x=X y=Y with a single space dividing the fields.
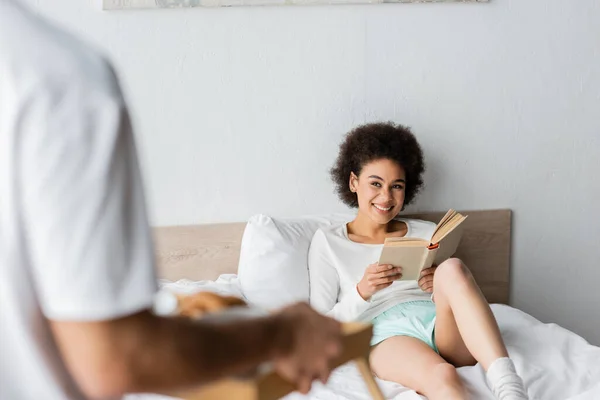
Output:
x=375 y=141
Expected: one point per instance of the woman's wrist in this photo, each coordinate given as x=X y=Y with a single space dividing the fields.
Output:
x=362 y=294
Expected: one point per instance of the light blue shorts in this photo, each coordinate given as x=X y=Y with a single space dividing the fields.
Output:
x=412 y=318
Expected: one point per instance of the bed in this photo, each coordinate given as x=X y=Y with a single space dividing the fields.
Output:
x=554 y=362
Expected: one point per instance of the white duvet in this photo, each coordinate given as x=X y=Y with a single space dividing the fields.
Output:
x=555 y=364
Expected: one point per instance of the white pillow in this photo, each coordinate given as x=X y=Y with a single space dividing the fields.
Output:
x=273 y=267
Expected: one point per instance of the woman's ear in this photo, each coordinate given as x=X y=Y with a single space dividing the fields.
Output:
x=353 y=183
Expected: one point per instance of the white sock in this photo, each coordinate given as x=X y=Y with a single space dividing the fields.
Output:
x=505 y=382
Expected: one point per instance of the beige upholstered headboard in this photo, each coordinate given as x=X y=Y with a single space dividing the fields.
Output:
x=201 y=252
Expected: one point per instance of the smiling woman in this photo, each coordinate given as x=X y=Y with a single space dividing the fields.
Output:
x=374 y=148
x=132 y=4
x=416 y=342
x=380 y=194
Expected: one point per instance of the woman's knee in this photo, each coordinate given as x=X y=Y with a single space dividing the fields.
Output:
x=445 y=372
x=452 y=272
x=445 y=379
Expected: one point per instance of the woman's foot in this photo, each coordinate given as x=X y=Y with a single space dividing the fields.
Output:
x=504 y=380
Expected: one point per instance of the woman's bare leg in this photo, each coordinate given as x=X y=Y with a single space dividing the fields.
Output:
x=412 y=363
x=465 y=328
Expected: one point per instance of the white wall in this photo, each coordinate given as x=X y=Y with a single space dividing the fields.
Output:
x=240 y=110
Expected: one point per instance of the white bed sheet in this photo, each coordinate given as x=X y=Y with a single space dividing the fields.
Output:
x=556 y=364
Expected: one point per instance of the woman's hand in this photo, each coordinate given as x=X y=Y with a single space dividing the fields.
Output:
x=426 y=279
x=376 y=278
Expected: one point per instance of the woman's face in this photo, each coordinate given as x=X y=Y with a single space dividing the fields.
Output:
x=380 y=189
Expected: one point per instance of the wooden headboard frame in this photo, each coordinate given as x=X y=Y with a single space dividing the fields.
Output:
x=200 y=252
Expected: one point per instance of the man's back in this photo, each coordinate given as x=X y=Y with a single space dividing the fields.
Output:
x=69 y=191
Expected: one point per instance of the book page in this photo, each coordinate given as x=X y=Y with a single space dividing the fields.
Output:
x=448 y=227
x=443 y=222
x=449 y=244
x=447 y=217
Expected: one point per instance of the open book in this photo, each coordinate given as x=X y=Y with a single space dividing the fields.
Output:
x=414 y=254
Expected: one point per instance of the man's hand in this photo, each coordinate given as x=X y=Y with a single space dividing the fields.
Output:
x=311 y=342
x=426 y=279
x=145 y=353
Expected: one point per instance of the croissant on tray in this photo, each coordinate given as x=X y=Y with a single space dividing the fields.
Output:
x=197 y=304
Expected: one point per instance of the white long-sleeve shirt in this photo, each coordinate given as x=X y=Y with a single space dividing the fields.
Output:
x=336 y=264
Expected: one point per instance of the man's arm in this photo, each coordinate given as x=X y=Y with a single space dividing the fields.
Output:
x=91 y=256
x=146 y=353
